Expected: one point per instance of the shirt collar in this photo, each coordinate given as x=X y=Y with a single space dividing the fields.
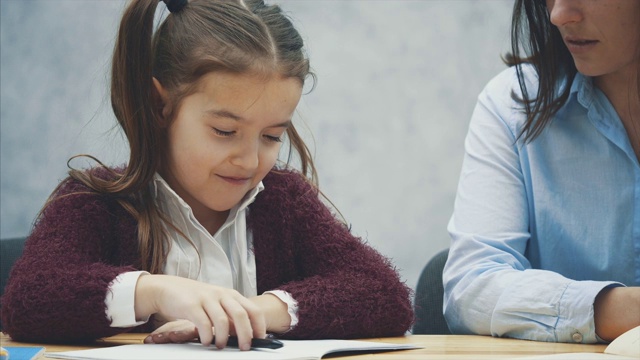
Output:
x=583 y=88
x=599 y=109
x=161 y=189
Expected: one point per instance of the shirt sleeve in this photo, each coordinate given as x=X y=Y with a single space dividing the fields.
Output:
x=120 y=300
x=490 y=287
x=292 y=305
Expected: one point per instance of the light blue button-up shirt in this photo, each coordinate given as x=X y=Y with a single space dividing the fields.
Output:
x=539 y=229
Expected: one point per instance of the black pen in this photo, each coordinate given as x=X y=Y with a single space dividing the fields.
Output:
x=267 y=343
x=255 y=342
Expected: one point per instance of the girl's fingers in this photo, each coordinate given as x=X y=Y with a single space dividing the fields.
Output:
x=218 y=317
x=155 y=338
x=203 y=325
x=256 y=318
x=238 y=315
x=182 y=336
x=171 y=337
x=208 y=309
x=175 y=325
x=173 y=331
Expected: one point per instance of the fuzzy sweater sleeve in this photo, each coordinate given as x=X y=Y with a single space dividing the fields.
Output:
x=344 y=288
x=56 y=290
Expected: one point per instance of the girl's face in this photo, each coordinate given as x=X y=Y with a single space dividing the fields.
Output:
x=225 y=138
x=603 y=36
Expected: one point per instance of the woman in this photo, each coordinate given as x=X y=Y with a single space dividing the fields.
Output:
x=546 y=226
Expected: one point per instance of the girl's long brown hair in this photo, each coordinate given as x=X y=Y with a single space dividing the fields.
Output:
x=237 y=36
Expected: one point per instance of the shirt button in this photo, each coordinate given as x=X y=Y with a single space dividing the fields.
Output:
x=577 y=337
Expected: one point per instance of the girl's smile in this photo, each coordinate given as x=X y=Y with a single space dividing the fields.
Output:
x=235 y=180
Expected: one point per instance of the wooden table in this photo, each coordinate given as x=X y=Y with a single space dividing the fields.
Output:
x=435 y=347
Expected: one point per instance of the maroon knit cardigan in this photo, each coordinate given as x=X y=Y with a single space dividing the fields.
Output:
x=344 y=288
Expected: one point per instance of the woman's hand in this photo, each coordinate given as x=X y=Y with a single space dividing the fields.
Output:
x=206 y=306
x=616 y=310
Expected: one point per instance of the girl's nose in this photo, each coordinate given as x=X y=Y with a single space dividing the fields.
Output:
x=563 y=12
x=246 y=155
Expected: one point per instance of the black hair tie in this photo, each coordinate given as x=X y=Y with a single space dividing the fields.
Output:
x=175 y=6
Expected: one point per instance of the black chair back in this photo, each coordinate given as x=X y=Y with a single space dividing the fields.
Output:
x=10 y=251
x=429 y=298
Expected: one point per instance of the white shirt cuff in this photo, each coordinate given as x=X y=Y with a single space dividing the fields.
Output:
x=120 y=300
x=292 y=305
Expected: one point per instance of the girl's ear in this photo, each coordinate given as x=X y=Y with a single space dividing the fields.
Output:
x=161 y=98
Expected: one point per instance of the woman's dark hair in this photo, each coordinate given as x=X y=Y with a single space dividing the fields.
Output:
x=237 y=36
x=535 y=40
x=543 y=47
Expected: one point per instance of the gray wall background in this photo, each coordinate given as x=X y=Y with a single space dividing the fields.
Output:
x=397 y=82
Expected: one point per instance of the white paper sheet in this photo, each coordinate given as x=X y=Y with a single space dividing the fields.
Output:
x=292 y=350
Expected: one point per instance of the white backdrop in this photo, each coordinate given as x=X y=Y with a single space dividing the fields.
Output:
x=397 y=82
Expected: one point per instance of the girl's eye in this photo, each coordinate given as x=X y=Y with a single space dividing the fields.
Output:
x=223 y=133
x=273 y=138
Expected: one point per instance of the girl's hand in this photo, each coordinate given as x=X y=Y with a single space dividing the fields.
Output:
x=275 y=311
x=178 y=331
x=205 y=306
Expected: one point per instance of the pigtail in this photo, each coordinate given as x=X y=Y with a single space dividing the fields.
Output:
x=133 y=104
x=131 y=93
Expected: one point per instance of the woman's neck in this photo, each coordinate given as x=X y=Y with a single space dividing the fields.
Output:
x=622 y=91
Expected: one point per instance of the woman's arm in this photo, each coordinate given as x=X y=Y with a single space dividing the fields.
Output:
x=490 y=286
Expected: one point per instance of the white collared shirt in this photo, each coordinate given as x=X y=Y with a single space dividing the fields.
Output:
x=224 y=259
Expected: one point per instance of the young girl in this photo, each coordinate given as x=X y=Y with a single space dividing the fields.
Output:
x=201 y=233
x=546 y=226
